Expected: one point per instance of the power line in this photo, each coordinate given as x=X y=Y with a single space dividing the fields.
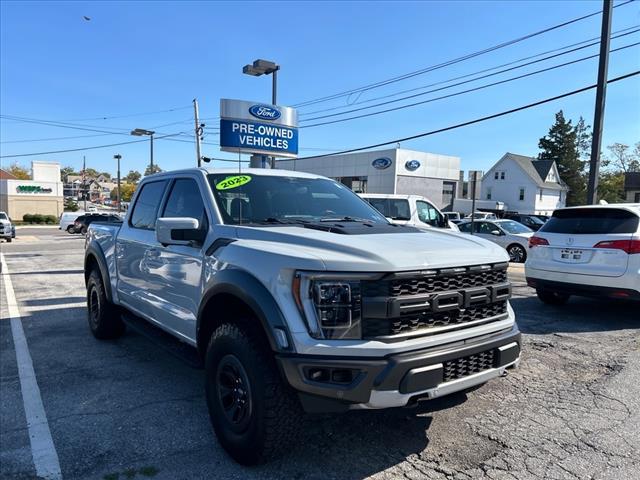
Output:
x=128 y=115
x=450 y=62
x=90 y=148
x=471 y=122
x=595 y=40
x=481 y=87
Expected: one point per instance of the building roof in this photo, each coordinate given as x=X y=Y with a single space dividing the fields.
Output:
x=537 y=170
x=4 y=175
x=632 y=181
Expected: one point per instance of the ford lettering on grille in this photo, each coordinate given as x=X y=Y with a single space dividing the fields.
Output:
x=264 y=112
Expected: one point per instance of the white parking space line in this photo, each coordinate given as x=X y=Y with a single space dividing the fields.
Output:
x=45 y=457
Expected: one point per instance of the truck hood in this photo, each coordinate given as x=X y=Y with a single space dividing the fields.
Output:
x=6 y=223
x=431 y=248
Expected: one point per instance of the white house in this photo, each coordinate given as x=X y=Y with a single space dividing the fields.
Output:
x=525 y=185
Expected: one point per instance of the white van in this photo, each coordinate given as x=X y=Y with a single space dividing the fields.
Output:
x=411 y=210
x=67 y=219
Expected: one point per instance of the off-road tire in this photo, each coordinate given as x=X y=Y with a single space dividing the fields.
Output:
x=103 y=316
x=275 y=415
x=519 y=250
x=552 y=298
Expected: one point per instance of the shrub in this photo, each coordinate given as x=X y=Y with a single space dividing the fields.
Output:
x=27 y=217
x=50 y=219
x=38 y=218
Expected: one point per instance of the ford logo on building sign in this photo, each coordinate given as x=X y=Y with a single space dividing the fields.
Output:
x=264 y=112
x=412 y=165
x=381 y=163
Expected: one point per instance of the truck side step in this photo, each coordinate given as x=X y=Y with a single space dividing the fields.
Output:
x=164 y=340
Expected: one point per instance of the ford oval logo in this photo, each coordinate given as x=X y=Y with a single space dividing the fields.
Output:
x=264 y=112
x=412 y=165
x=381 y=163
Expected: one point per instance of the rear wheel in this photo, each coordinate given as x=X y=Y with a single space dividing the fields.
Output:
x=104 y=318
x=552 y=298
x=517 y=253
x=70 y=229
x=83 y=230
x=254 y=414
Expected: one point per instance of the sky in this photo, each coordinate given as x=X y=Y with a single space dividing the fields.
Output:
x=140 y=65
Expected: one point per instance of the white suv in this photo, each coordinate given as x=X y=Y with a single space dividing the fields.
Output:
x=591 y=251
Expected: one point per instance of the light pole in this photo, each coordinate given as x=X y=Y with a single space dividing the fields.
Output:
x=265 y=67
x=141 y=132
x=117 y=156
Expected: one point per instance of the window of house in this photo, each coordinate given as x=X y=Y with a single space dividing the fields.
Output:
x=496 y=175
x=541 y=194
x=521 y=196
x=488 y=193
x=501 y=175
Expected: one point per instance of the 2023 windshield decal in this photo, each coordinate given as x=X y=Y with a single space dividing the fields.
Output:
x=233 y=182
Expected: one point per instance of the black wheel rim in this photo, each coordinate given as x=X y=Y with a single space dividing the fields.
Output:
x=516 y=254
x=94 y=307
x=234 y=392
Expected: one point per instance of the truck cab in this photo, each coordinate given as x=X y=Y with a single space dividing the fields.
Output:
x=298 y=296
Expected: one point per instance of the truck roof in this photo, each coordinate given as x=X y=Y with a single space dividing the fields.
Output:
x=242 y=171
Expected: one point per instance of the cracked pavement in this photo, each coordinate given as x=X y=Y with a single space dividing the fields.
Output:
x=570 y=411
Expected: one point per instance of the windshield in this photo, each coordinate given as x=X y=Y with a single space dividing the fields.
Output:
x=3 y=216
x=514 y=227
x=265 y=199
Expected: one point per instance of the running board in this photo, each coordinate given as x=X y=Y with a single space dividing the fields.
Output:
x=162 y=339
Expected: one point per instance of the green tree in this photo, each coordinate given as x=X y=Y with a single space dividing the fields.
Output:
x=126 y=190
x=565 y=143
x=65 y=172
x=19 y=171
x=91 y=173
x=133 y=176
x=70 y=205
x=107 y=175
x=151 y=171
x=611 y=187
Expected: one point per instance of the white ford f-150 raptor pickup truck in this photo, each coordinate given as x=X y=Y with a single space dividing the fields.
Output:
x=299 y=296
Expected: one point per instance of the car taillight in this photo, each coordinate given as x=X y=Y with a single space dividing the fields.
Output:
x=628 y=246
x=537 y=241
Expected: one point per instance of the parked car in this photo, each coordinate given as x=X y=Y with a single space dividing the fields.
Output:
x=544 y=218
x=7 y=229
x=591 y=251
x=411 y=210
x=531 y=221
x=299 y=296
x=81 y=224
x=511 y=235
x=451 y=216
x=67 y=219
x=483 y=216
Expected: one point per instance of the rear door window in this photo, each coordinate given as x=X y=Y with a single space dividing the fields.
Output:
x=146 y=207
x=591 y=221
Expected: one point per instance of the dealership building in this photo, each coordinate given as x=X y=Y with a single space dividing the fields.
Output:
x=42 y=194
x=391 y=171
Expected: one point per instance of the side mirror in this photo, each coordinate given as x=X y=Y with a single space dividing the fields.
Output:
x=496 y=232
x=179 y=231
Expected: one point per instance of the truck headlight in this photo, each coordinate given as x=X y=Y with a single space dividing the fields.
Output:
x=330 y=303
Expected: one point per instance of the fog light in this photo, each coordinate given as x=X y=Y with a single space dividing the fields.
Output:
x=318 y=374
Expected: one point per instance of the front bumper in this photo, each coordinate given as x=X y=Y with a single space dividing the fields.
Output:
x=339 y=383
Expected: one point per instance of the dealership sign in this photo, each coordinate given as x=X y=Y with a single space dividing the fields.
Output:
x=412 y=165
x=33 y=189
x=381 y=163
x=249 y=127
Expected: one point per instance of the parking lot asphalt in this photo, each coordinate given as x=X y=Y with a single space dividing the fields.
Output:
x=128 y=409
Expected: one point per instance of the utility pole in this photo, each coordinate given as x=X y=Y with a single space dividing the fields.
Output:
x=84 y=186
x=601 y=93
x=118 y=157
x=473 y=199
x=151 y=153
x=198 y=131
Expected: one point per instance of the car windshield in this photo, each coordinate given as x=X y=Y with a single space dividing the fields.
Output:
x=267 y=199
x=535 y=220
x=3 y=216
x=514 y=227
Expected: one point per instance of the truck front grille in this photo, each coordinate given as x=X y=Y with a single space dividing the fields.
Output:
x=445 y=299
x=379 y=327
x=465 y=366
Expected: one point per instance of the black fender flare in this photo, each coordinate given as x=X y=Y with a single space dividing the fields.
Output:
x=94 y=250
x=248 y=289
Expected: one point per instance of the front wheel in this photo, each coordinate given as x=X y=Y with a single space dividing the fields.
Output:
x=552 y=298
x=9 y=239
x=70 y=229
x=517 y=253
x=254 y=414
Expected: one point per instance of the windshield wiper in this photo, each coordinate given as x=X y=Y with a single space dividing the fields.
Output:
x=345 y=219
x=284 y=222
